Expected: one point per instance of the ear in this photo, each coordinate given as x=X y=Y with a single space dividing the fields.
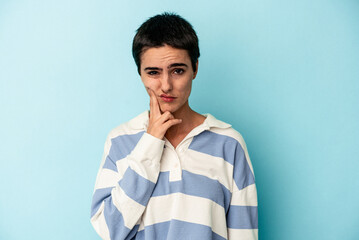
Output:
x=195 y=73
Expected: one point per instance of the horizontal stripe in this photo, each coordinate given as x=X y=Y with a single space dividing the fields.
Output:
x=124 y=204
x=215 y=145
x=243 y=234
x=115 y=222
x=177 y=230
x=107 y=178
x=136 y=187
x=242 y=174
x=245 y=197
x=110 y=212
x=195 y=185
x=97 y=198
x=122 y=166
x=230 y=150
x=99 y=223
x=185 y=208
x=242 y=217
x=110 y=164
x=230 y=132
x=130 y=209
x=212 y=167
x=121 y=146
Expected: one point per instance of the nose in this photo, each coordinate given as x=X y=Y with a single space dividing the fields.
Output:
x=166 y=83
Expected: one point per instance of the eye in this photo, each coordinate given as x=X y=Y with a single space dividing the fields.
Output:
x=178 y=71
x=152 y=72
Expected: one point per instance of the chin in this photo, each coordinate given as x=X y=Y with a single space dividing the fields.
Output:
x=168 y=108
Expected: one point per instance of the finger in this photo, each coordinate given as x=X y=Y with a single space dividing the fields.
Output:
x=155 y=108
x=166 y=116
x=171 y=122
x=151 y=101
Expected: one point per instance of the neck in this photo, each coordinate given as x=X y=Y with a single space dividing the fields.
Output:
x=185 y=113
x=189 y=120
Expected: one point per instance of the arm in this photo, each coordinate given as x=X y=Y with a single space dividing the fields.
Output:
x=242 y=215
x=123 y=188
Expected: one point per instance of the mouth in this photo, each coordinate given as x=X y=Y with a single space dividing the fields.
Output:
x=167 y=98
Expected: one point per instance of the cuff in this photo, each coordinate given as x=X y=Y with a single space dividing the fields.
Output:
x=149 y=148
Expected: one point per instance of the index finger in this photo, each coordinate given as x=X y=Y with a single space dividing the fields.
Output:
x=154 y=107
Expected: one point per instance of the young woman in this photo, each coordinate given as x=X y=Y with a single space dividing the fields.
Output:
x=172 y=173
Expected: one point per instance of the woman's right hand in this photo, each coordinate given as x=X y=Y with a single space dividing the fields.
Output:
x=159 y=123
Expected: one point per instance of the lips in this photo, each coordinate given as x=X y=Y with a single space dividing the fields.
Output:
x=167 y=98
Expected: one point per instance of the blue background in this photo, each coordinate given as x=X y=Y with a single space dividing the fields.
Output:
x=283 y=73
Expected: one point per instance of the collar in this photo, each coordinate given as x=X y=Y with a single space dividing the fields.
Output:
x=141 y=121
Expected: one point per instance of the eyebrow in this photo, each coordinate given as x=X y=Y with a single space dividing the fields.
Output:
x=177 y=65
x=170 y=66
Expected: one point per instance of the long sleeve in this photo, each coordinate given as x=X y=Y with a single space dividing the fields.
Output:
x=242 y=215
x=124 y=186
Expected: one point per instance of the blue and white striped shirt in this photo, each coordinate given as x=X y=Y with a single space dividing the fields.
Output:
x=202 y=189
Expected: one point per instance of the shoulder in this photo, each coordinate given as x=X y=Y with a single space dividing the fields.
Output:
x=223 y=128
x=235 y=138
x=133 y=126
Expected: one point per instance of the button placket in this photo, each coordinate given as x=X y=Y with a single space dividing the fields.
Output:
x=176 y=171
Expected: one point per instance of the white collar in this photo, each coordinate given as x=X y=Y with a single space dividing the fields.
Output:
x=141 y=121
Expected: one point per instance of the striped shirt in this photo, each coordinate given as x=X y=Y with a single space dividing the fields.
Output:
x=202 y=189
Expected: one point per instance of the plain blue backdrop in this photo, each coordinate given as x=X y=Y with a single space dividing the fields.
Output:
x=285 y=74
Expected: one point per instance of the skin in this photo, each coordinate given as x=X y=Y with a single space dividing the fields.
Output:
x=168 y=70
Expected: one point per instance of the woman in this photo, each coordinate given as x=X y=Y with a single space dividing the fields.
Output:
x=172 y=173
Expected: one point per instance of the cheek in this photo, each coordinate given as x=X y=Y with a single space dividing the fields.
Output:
x=150 y=84
x=186 y=87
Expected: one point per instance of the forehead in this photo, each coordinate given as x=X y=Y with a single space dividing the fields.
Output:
x=164 y=55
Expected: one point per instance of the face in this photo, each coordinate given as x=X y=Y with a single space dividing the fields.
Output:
x=168 y=72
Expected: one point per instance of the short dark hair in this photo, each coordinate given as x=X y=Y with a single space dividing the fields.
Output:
x=166 y=28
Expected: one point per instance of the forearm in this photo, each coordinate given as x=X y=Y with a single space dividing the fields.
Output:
x=117 y=208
